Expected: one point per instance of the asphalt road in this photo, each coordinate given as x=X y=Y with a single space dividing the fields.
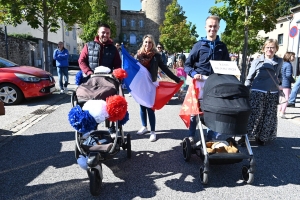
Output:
x=37 y=162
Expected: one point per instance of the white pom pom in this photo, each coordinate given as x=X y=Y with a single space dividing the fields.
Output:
x=102 y=70
x=96 y=108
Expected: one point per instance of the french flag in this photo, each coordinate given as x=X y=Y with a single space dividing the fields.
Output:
x=139 y=83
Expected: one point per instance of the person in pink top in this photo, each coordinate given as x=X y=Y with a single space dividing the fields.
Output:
x=179 y=68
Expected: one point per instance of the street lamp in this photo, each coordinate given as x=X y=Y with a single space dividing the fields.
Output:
x=297 y=56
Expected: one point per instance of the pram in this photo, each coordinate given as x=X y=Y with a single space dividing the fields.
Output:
x=225 y=109
x=99 y=87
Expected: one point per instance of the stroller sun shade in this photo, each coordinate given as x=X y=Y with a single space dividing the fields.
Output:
x=225 y=104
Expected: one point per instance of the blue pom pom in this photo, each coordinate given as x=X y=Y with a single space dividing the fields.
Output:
x=78 y=78
x=81 y=120
x=125 y=119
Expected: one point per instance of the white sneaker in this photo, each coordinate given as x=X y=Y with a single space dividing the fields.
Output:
x=282 y=116
x=66 y=90
x=142 y=131
x=61 y=91
x=129 y=95
x=191 y=140
x=152 y=136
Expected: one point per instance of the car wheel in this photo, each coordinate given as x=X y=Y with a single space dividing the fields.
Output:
x=10 y=94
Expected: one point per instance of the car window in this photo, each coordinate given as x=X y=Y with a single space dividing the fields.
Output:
x=73 y=57
x=6 y=63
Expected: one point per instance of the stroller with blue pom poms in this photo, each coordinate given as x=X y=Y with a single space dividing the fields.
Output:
x=93 y=145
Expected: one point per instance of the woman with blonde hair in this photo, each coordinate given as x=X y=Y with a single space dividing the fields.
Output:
x=287 y=80
x=151 y=59
x=263 y=80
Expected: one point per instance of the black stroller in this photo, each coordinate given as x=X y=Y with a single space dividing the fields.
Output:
x=99 y=87
x=226 y=110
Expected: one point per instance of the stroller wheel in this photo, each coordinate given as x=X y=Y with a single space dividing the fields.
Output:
x=247 y=176
x=95 y=180
x=186 y=149
x=203 y=176
x=128 y=146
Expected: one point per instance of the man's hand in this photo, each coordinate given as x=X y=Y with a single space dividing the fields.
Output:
x=198 y=77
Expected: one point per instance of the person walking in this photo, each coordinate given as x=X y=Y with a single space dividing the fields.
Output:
x=263 y=79
x=100 y=52
x=294 y=92
x=160 y=49
x=151 y=59
x=287 y=80
x=197 y=65
x=61 y=57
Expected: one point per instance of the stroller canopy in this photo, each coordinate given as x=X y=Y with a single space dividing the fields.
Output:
x=225 y=104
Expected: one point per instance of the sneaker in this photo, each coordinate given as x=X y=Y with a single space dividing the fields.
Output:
x=282 y=116
x=191 y=140
x=66 y=90
x=113 y=135
x=129 y=95
x=112 y=129
x=291 y=105
x=142 y=131
x=152 y=136
x=61 y=91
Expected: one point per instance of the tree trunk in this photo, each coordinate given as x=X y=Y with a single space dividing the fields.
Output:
x=46 y=65
x=245 y=49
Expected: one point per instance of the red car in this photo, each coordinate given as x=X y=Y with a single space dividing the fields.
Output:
x=19 y=82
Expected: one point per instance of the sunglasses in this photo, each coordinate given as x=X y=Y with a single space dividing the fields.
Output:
x=159 y=47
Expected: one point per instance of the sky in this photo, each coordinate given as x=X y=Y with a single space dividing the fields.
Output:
x=196 y=12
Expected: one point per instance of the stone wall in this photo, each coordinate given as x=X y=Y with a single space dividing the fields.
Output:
x=20 y=51
x=25 y=52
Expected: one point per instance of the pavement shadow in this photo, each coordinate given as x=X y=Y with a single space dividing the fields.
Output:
x=26 y=157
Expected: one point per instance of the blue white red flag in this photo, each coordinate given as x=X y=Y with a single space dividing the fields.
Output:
x=139 y=83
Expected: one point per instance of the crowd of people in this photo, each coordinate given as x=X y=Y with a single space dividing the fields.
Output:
x=270 y=77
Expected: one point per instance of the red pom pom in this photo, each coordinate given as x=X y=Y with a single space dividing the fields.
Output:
x=120 y=73
x=116 y=106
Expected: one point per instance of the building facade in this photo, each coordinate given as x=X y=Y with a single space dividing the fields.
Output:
x=287 y=32
x=133 y=25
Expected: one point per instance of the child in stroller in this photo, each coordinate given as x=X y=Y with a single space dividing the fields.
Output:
x=92 y=145
x=225 y=109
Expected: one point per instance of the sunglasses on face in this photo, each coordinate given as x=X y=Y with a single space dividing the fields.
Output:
x=159 y=47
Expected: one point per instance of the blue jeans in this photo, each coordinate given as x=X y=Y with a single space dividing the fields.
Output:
x=294 y=91
x=63 y=72
x=151 y=115
x=211 y=135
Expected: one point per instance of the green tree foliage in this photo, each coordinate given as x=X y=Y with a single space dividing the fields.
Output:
x=283 y=7
x=45 y=15
x=24 y=36
x=176 y=34
x=244 y=19
x=98 y=14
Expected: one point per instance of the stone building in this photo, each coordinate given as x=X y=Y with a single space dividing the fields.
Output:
x=133 y=25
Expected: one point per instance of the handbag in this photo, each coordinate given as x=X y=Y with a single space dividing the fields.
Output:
x=282 y=98
x=2 y=109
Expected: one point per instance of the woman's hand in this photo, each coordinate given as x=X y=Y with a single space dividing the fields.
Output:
x=198 y=77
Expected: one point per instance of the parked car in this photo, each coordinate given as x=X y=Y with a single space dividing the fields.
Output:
x=73 y=61
x=18 y=82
